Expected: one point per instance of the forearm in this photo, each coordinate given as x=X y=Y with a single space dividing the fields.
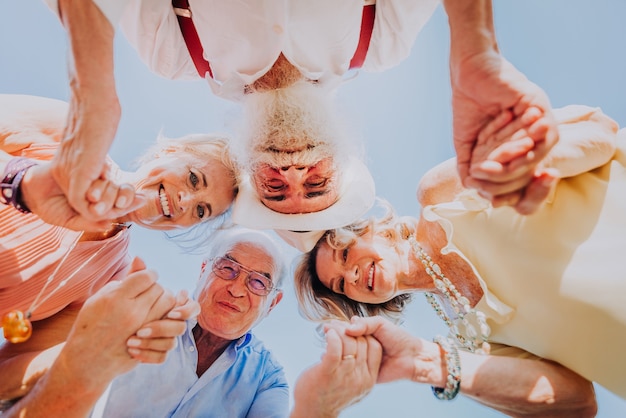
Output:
x=471 y=28
x=92 y=80
x=61 y=392
x=523 y=387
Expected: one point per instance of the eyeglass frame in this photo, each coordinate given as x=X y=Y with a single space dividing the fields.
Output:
x=248 y=272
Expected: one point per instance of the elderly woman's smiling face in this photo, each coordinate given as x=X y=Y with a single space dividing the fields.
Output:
x=182 y=190
x=368 y=271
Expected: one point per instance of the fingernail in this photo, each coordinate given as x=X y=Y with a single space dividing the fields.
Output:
x=121 y=202
x=134 y=351
x=174 y=315
x=100 y=208
x=133 y=342
x=96 y=194
x=144 y=332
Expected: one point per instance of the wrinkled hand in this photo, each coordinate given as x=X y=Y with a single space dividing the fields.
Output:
x=155 y=339
x=79 y=166
x=338 y=381
x=96 y=346
x=483 y=87
x=498 y=145
x=44 y=197
x=404 y=356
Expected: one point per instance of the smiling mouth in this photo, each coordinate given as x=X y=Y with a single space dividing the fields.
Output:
x=165 y=204
x=370 y=277
x=229 y=306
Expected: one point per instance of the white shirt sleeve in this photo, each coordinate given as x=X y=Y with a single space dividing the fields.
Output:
x=396 y=26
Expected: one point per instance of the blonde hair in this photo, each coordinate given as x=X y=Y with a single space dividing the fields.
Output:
x=198 y=145
x=316 y=302
x=203 y=147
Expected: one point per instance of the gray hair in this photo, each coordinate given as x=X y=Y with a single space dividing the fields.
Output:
x=225 y=240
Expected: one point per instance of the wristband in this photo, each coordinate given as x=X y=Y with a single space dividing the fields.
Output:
x=453 y=364
x=10 y=192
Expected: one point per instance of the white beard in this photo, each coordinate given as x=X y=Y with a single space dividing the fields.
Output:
x=296 y=125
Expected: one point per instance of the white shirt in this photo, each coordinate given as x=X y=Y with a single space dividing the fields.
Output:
x=242 y=39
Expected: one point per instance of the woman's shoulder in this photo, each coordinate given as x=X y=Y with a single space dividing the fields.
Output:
x=440 y=184
x=27 y=120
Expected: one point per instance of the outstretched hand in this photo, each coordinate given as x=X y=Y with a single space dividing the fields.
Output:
x=404 y=355
x=486 y=88
x=346 y=373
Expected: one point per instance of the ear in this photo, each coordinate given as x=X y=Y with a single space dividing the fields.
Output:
x=277 y=298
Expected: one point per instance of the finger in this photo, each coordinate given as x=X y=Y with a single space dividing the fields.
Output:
x=152 y=344
x=161 y=304
x=147 y=356
x=374 y=356
x=162 y=328
x=189 y=310
x=496 y=124
x=137 y=265
x=333 y=352
x=138 y=281
x=125 y=196
x=489 y=190
x=361 y=348
x=363 y=326
x=537 y=192
x=96 y=190
x=509 y=199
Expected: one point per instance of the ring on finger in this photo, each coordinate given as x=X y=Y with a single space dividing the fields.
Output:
x=348 y=356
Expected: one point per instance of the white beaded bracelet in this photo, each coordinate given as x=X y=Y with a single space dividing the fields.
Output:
x=453 y=364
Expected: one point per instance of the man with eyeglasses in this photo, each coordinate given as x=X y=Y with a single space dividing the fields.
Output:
x=220 y=369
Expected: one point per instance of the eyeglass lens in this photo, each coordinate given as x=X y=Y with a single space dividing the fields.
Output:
x=228 y=269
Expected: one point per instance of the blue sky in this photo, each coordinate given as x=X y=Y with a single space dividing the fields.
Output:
x=574 y=49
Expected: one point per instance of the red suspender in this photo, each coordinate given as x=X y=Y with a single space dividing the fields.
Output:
x=367 y=25
x=187 y=28
x=181 y=8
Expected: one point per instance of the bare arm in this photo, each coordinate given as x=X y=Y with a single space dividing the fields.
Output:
x=521 y=387
x=484 y=84
x=96 y=349
x=94 y=114
x=21 y=365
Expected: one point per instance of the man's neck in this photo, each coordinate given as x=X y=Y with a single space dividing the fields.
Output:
x=209 y=346
x=281 y=75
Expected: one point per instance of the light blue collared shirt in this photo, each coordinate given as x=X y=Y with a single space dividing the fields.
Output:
x=245 y=381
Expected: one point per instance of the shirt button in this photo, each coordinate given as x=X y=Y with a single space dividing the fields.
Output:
x=278 y=29
x=191 y=349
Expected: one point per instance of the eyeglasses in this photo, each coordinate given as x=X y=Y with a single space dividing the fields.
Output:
x=228 y=269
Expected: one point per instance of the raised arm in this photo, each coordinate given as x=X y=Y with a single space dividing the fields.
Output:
x=96 y=348
x=516 y=386
x=484 y=84
x=79 y=165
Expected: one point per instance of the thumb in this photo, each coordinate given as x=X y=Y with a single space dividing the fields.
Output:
x=136 y=265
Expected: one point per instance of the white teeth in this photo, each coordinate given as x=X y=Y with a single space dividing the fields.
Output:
x=370 y=277
x=165 y=205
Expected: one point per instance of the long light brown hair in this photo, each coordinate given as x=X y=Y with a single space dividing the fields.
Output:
x=318 y=303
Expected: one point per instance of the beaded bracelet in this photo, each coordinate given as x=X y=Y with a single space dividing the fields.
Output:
x=10 y=193
x=453 y=364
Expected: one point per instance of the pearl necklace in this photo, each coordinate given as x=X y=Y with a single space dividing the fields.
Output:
x=16 y=324
x=475 y=330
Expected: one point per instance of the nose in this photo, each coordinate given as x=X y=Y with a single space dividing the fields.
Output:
x=184 y=199
x=352 y=274
x=237 y=288
x=294 y=172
